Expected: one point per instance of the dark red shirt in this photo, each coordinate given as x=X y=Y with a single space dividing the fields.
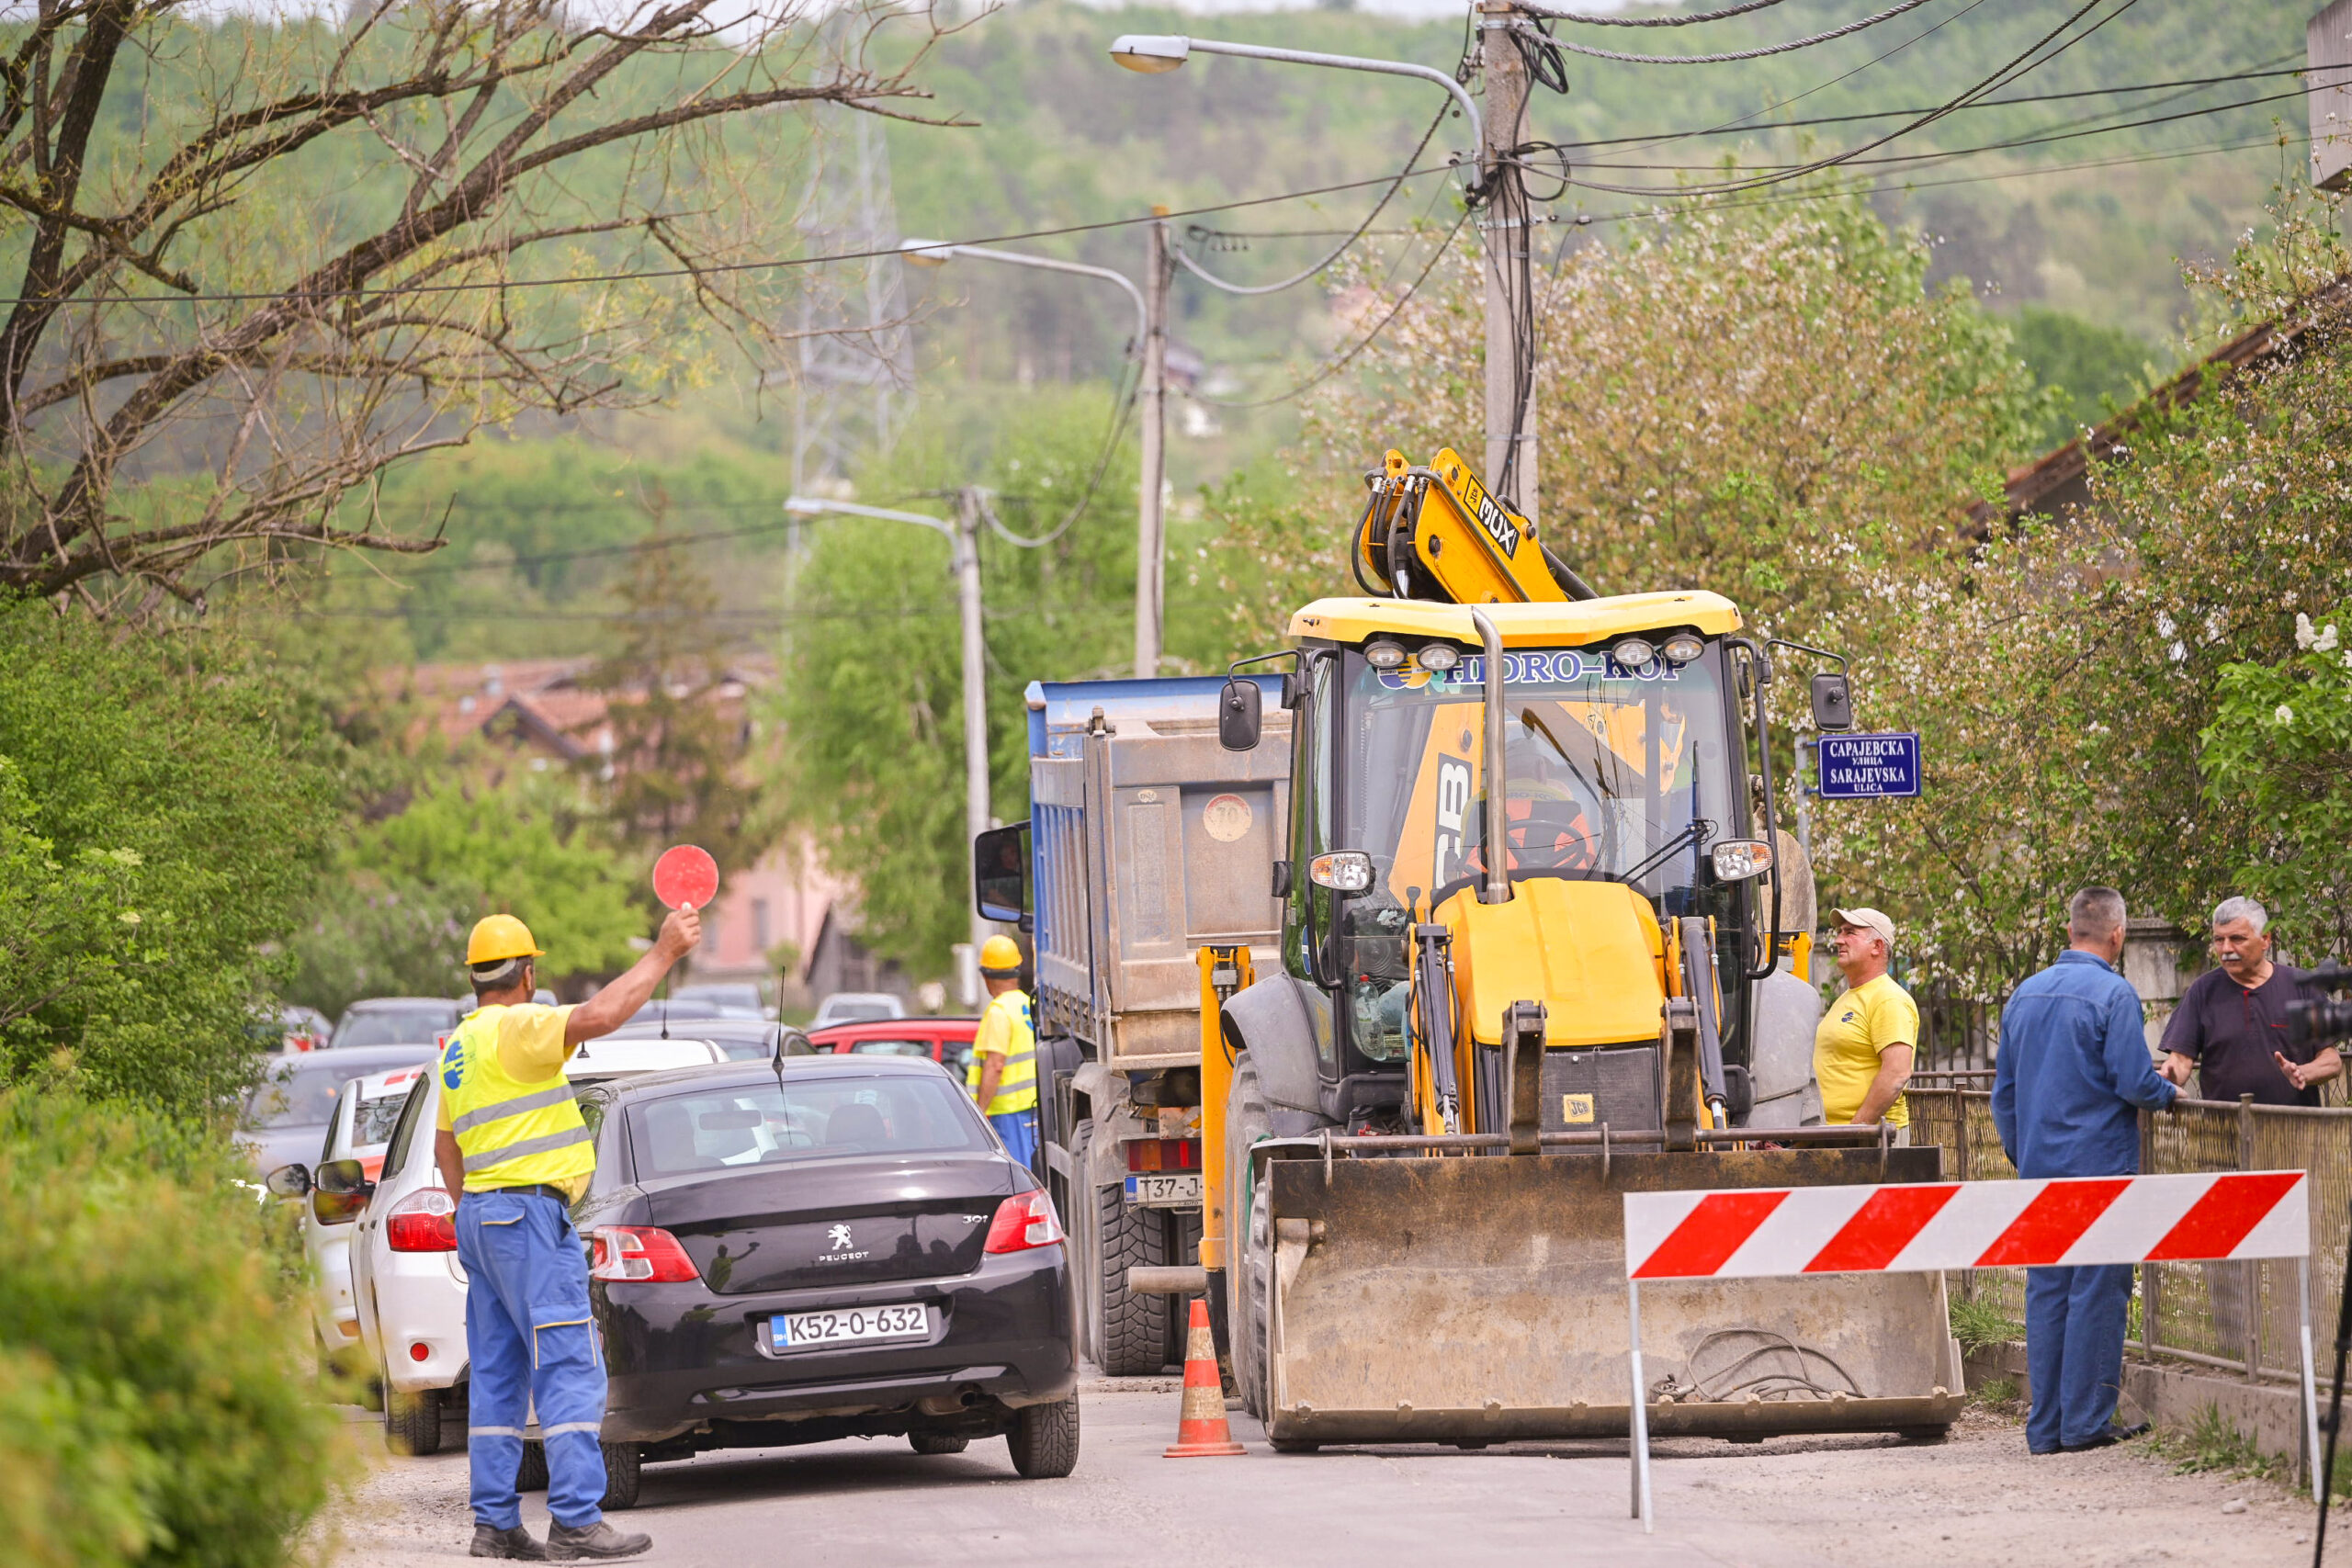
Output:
x=2230 y=1032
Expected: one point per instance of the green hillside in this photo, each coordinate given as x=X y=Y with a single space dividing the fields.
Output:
x=2085 y=259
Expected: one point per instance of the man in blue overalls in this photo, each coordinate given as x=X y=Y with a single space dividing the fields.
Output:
x=2074 y=1068
x=510 y=1141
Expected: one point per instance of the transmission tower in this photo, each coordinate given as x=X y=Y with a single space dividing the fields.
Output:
x=853 y=371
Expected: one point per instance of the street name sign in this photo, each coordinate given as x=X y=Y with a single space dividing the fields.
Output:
x=1869 y=767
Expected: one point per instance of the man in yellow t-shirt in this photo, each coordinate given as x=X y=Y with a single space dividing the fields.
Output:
x=1863 y=1051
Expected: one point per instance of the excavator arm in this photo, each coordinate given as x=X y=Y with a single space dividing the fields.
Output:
x=1434 y=533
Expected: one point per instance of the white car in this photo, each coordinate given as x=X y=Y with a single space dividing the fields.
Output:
x=856 y=1007
x=407 y=1290
x=361 y=1129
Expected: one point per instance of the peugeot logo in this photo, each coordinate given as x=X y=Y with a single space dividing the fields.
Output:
x=838 y=1238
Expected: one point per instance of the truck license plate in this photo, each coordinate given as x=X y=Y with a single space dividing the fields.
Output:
x=798 y=1331
x=1164 y=1189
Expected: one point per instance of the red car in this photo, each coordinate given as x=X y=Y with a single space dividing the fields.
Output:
x=947 y=1041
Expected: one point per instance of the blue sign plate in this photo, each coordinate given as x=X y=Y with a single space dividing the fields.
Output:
x=1869 y=767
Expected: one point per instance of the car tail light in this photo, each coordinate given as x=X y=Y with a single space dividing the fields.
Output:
x=644 y=1253
x=422 y=1222
x=1023 y=1221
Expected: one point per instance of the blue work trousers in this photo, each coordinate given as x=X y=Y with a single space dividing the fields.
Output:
x=2073 y=1351
x=1019 y=1131
x=531 y=1342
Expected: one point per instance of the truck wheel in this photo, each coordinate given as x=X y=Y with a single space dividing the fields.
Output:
x=1134 y=1327
x=412 y=1421
x=624 y=1469
x=1247 y=1255
x=937 y=1442
x=531 y=1475
x=1043 y=1439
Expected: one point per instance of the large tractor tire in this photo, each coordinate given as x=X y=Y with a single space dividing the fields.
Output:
x=1133 y=1328
x=1250 y=1255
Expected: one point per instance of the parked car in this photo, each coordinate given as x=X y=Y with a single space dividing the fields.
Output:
x=733 y=998
x=739 y=1039
x=286 y=1115
x=292 y=1028
x=398 y=1020
x=847 y=1007
x=818 y=1247
x=407 y=1290
x=361 y=1129
x=947 y=1041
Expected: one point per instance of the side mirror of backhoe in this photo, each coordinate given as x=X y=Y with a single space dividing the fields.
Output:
x=1832 y=706
x=1239 y=714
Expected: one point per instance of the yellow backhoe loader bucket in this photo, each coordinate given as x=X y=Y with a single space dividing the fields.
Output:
x=1481 y=1298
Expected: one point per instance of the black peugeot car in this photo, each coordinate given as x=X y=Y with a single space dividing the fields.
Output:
x=815 y=1247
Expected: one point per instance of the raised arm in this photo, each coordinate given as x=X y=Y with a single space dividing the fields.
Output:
x=616 y=1003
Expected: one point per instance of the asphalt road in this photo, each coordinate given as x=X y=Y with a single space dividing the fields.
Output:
x=1977 y=1498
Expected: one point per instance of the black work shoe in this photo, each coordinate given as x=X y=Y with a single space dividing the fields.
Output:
x=514 y=1544
x=2115 y=1433
x=599 y=1539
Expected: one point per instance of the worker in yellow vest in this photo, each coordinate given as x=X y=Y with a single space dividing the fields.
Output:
x=1006 y=1052
x=512 y=1144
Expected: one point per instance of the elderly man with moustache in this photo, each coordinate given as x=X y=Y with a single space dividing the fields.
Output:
x=2231 y=1026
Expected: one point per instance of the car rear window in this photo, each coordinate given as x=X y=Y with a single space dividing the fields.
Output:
x=718 y=1129
x=394 y=1026
x=373 y=1122
x=297 y=1097
x=891 y=1048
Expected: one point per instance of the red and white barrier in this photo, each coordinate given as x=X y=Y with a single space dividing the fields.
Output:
x=1765 y=1233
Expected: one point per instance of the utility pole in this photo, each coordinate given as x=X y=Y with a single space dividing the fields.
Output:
x=1152 y=389
x=976 y=714
x=1508 y=232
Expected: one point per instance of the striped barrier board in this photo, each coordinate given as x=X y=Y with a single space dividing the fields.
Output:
x=1767 y=1232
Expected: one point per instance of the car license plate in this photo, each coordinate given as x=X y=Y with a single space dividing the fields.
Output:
x=1168 y=1188
x=841 y=1325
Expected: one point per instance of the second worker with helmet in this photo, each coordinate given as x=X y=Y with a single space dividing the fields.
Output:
x=1006 y=1052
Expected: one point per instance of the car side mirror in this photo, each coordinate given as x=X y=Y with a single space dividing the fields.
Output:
x=1239 y=714
x=1833 y=705
x=288 y=1181
x=793 y=1043
x=1001 y=873
x=343 y=1177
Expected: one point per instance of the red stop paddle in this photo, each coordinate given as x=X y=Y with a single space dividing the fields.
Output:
x=686 y=877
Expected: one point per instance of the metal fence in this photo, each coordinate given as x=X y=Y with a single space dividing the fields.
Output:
x=2236 y=1316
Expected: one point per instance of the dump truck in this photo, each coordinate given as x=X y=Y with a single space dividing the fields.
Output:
x=1146 y=841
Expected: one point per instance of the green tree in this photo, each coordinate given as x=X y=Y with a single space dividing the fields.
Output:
x=390 y=917
x=163 y=810
x=871 y=703
x=2097 y=368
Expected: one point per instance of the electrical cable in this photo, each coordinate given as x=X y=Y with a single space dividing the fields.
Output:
x=1898 y=8
x=771 y=264
x=2018 y=65
x=1123 y=409
x=1591 y=20
x=1334 y=366
x=1197 y=270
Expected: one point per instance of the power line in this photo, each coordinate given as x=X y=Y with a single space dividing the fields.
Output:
x=773 y=263
x=1690 y=20
x=1758 y=53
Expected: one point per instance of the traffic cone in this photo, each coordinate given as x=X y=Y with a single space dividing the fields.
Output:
x=1201 y=1430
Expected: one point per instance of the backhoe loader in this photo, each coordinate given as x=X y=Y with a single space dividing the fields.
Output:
x=1535 y=954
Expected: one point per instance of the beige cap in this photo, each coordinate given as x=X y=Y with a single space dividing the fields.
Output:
x=1869 y=920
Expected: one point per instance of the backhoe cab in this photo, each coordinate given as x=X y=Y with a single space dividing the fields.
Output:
x=1532 y=905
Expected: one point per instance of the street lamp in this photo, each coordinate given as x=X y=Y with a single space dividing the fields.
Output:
x=963 y=537
x=1510 y=419
x=1151 y=343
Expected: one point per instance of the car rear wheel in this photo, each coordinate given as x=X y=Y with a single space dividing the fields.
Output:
x=531 y=1474
x=937 y=1443
x=412 y=1421
x=1044 y=1440
x=624 y=1469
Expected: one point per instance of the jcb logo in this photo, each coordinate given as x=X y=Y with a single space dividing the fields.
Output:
x=1452 y=810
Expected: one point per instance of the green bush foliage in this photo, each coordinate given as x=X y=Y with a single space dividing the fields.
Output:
x=155 y=1403
x=163 y=812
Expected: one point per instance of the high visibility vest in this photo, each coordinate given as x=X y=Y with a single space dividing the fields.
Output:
x=513 y=1134
x=1016 y=1084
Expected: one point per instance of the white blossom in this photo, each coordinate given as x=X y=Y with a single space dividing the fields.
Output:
x=2283 y=713
x=2306 y=634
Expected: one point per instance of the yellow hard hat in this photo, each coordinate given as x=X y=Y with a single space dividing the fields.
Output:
x=500 y=936
x=1000 y=955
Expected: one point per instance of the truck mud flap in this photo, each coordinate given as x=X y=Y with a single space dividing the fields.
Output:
x=1483 y=1300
